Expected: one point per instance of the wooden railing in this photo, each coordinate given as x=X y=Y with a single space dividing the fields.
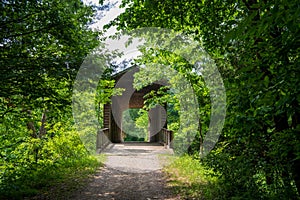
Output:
x=102 y=139
x=166 y=137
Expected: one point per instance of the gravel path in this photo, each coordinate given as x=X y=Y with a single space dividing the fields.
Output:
x=131 y=172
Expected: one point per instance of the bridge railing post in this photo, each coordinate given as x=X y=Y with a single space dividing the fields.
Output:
x=161 y=136
x=102 y=139
x=171 y=135
x=166 y=137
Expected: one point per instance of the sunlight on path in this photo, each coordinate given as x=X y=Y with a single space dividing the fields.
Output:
x=136 y=157
x=132 y=171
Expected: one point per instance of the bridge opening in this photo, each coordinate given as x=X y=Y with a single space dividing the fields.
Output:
x=135 y=125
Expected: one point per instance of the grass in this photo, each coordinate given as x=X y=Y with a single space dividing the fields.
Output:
x=72 y=177
x=55 y=181
x=191 y=180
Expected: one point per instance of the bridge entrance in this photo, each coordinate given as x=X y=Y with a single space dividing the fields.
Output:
x=118 y=124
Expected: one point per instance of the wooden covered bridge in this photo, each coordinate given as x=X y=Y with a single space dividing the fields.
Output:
x=131 y=98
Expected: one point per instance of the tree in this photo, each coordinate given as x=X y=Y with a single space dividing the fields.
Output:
x=40 y=40
x=256 y=47
x=42 y=46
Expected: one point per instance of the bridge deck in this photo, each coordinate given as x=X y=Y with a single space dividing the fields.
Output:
x=130 y=148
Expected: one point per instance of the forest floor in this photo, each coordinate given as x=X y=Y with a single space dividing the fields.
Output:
x=132 y=171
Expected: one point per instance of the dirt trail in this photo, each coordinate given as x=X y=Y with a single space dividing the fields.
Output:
x=132 y=172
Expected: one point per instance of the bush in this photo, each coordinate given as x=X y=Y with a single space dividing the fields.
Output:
x=191 y=179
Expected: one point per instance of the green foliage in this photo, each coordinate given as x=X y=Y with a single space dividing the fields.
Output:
x=35 y=164
x=176 y=95
x=191 y=180
x=42 y=39
x=254 y=43
x=42 y=46
x=256 y=47
x=105 y=90
x=142 y=122
x=135 y=125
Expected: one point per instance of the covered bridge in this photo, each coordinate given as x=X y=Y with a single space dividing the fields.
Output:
x=131 y=98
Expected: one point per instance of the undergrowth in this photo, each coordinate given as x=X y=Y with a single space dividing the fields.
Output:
x=56 y=181
x=191 y=180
